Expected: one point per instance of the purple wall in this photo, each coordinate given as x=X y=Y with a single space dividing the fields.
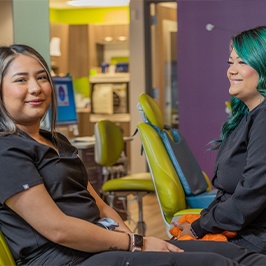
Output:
x=202 y=64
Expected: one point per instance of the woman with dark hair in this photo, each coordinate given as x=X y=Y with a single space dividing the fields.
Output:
x=240 y=170
x=49 y=213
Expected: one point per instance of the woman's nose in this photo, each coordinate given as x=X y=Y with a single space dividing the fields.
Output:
x=232 y=69
x=34 y=88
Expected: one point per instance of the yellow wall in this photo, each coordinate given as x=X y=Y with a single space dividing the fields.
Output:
x=117 y=15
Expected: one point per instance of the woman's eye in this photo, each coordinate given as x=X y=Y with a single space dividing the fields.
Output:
x=240 y=63
x=43 y=77
x=20 y=80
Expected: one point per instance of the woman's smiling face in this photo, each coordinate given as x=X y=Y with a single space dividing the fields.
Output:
x=243 y=81
x=26 y=90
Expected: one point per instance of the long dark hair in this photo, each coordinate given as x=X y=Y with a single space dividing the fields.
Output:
x=7 y=55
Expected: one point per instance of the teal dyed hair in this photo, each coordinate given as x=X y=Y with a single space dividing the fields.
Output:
x=250 y=46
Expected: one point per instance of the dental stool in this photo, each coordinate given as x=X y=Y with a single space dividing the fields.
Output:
x=109 y=147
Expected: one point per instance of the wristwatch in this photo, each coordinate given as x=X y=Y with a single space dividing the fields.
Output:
x=136 y=242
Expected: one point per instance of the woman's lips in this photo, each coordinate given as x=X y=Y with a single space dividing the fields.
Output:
x=35 y=102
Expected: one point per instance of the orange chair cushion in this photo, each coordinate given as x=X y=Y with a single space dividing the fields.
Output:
x=189 y=218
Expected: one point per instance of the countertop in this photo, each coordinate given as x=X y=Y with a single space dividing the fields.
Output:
x=88 y=142
x=114 y=117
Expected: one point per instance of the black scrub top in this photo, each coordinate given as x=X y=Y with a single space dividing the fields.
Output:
x=240 y=177
x=25 y=163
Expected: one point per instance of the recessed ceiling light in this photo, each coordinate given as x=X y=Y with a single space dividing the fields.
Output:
x=99 y=3
x=108 y=38
x=122 y=38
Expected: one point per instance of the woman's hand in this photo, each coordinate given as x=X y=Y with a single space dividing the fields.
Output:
x=156 y=244
x=185 y=228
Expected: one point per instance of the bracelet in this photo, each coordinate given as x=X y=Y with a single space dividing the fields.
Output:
x=129 y=242
x=193 y=232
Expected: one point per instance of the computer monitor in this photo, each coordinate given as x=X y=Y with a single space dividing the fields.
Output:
x=65 y=98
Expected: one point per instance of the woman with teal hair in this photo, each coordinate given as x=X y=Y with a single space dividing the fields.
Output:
x=250 y=46
x=240 y=170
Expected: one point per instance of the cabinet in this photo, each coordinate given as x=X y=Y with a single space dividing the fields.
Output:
x=79 y=51
x=82 y=46
x=111 y=33
x=85 y=127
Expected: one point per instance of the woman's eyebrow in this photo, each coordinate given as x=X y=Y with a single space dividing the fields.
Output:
x=27 y=74
x=41 y=71
x=230 y=57
x=20 y=74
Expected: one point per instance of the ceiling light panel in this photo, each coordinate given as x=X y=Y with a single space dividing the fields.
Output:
x=98 y=3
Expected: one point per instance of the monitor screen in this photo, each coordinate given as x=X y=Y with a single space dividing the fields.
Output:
x=65 y=98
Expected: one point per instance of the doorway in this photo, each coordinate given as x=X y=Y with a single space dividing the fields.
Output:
x=161 y=56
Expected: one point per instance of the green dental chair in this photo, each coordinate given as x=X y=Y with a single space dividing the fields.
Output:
x=109 y=145
x=168 y=188
x=196 y=184
x=6 y=258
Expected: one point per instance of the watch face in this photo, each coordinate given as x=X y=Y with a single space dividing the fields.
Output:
x=138 y=240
